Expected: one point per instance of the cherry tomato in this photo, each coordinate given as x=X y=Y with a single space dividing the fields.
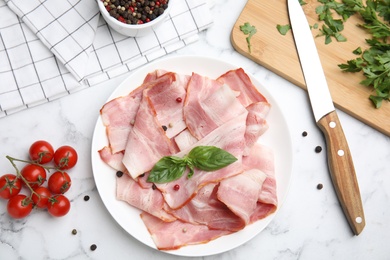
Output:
x=59 y=182
x=65 y=157
x=58 y=206
x=35 y=175
x=41 y=197
x=10 y=186
x=41 y=152
x=19 y=206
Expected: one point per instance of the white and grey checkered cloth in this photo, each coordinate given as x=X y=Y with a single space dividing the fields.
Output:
x=51 y=48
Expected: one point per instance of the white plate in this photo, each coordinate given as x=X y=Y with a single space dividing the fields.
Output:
x=277 y=137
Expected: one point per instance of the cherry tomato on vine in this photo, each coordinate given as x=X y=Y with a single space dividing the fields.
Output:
x=41 y=197
x=10 y=186
x=58 y=205
x=65 y=157
x=41 y=152
x=34 y=174
x=19 y=206
x=59 y=182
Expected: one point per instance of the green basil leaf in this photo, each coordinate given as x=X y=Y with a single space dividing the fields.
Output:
x=210 y=158
x=167 y=169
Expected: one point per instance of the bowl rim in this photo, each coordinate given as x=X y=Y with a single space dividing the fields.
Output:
x=158 y=19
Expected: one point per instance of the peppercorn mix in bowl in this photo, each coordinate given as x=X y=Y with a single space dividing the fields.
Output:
x=134 y=18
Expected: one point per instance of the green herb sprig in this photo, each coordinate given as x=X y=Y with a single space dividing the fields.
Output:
x=249 y=30
x=374 y=61
x=375 y=64
x=205 y=158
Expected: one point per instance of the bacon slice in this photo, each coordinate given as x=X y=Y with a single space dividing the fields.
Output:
x=205 y=208
x=113 y=160
x=239 y=81
x=167 y=101
x=176 y=234
x=149 y=200
x=256 y=123
x=185 y=139
x=197 y=121
x=240 y=193
x=209 y=105
x=147 y=142
x=261 y=157
x=117 y=115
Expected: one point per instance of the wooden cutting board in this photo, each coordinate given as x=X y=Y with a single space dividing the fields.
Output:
x=277 y=53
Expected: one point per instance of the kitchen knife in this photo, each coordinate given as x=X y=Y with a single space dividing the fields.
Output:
x=340 y=161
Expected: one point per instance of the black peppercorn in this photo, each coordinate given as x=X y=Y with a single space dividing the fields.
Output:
x=304 y=133
x=318 y=149
x=86 y=197
x=93 y=247
x=119 y=174
x=320 y=186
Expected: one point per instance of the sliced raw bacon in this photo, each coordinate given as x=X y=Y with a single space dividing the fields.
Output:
x=196 y=119
x=209 y=105
x=118 y=115
x=185 y=139
x=229 y=137
x=261 y=157
x=113 y=160
x=147 y=142
x=239 y=81
x=176 y=234
x=240 y=193
x=205 y=208
x=256 y=124
x=167 y=101
x=149 y=200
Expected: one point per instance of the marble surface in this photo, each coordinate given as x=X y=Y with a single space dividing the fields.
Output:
x=309 y=225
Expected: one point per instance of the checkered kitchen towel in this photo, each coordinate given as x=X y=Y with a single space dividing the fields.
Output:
x=51 y=48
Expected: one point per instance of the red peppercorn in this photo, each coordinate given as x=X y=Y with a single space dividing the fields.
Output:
x=176 y=187
x=178 y=100
x=121 y=19
x=108 y=8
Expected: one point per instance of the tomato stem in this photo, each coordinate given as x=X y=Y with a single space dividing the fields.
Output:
x=18 y=174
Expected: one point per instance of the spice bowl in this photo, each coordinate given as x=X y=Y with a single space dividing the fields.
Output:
x=145 y=25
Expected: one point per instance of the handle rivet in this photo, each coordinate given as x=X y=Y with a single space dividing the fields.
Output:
x=359 y=220
x=332 y=124
x=340 y=152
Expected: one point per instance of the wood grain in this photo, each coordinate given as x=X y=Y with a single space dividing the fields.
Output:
x=277 y=53
x=342 y=171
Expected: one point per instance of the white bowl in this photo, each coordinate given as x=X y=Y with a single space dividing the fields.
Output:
x=133 y=30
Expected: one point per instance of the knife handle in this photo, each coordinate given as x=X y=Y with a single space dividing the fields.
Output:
x=342 y=171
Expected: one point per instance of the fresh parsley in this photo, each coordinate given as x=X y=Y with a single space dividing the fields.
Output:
x=249 y=30
x=375 y=64
x=283 y=29
x=205 y=158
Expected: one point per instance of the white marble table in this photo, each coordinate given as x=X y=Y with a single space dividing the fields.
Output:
x=309 y=225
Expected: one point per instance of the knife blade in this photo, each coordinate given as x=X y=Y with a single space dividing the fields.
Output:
x=340 y=162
